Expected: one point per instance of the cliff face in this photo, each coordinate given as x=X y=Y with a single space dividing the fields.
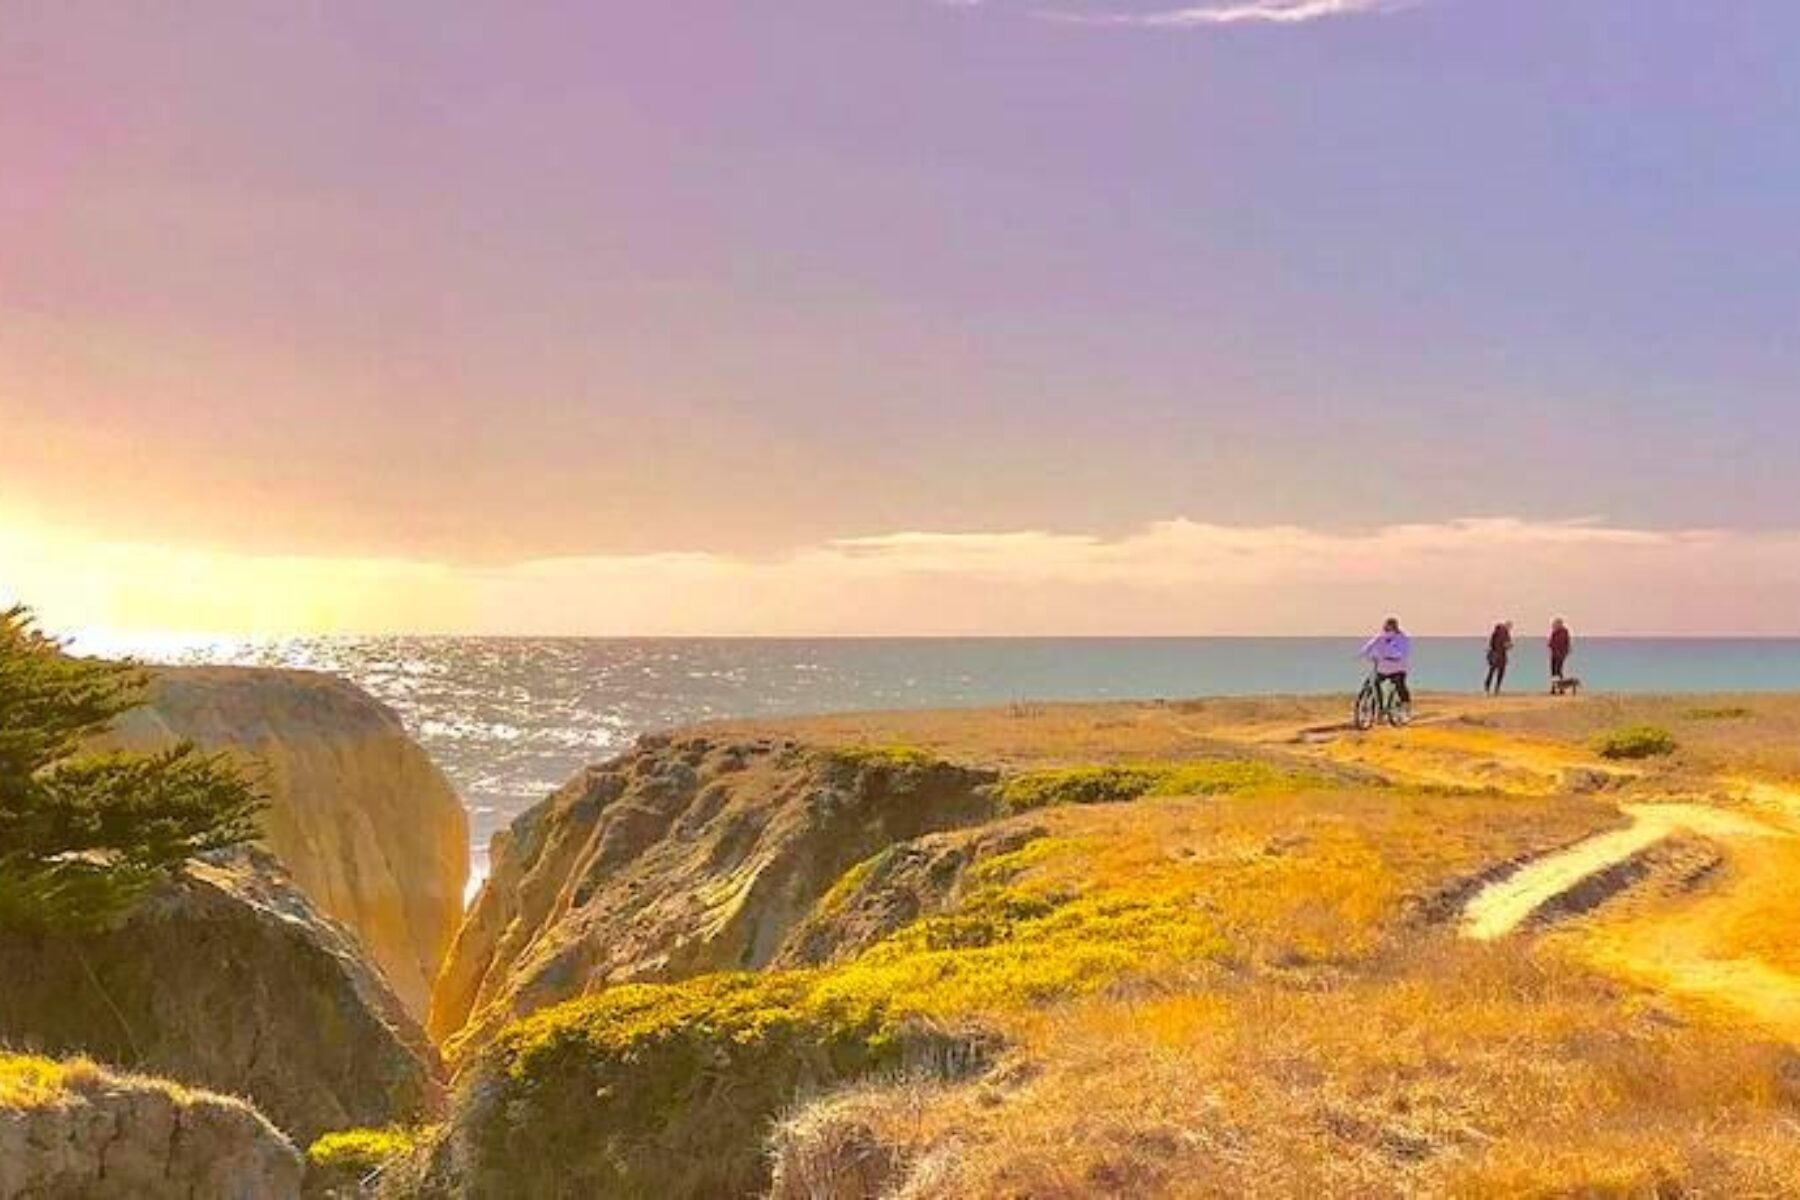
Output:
x=363 y=821
x=682 y=857
x=72 y=1129
x=227 y=979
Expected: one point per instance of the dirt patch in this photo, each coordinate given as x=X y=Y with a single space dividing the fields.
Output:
x=1677 y=865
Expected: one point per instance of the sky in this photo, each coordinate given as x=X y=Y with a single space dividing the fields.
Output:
x=900 y=316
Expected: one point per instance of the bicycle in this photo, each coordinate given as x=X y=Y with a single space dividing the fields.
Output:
x=1377 y=702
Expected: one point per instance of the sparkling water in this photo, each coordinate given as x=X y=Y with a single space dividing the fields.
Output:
x=510 y=720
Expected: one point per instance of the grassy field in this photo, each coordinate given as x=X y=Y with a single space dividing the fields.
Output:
x=1357 y=1045
x=1224 y=949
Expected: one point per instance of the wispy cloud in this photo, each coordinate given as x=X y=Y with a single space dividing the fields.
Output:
x=1175 y=576
x=1238 y=12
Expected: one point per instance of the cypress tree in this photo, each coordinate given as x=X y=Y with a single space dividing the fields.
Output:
x=82 y=833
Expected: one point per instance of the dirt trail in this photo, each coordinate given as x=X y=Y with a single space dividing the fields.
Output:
x=1726 y=946
x=1502 y=907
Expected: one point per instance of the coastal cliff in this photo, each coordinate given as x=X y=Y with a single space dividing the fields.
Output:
x=684 y=856
x=227 y=978
x=75 y=1129
x=365 y=824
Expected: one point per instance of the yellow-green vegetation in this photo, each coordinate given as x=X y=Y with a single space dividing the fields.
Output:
x=1033 y=925
x=27 y=1080
x=1116 y=784
x=1635 y=742
x=896 y=756
x=851 y=882
x=346 y=1157
x=667 y=1090
x=1723 y=712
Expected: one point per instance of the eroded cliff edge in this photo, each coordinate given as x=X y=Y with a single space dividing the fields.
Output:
x=684 y=856
x=227 y=978
x=363 y=821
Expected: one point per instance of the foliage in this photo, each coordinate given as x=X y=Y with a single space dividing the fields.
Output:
x=27 y=1080
x=895 y=756
x=1636 y=742
x=81 y=834
x=1117 y=784
x=851 y=882
x=347 y=1157
x=651 y=1089
x=1727 y=712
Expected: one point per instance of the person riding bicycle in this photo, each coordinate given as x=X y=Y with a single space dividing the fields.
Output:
x=1391 y=652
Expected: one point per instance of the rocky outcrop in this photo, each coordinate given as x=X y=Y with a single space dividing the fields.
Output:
x=228 y=979
x=684 y=856
x=364 y=822
x=893 y=889
x=75 y=1130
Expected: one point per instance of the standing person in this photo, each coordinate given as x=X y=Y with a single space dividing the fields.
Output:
x=1391 y=652
x=1561 y=642
x=1500 y=644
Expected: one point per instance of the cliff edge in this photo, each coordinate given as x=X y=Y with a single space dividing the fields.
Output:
x=684 y=856
x=365 y=824
x=227 y=978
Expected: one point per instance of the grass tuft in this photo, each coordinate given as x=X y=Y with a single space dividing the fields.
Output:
x=1119 y=784
x=355 y=1154
x=27 y=1081
x=1728 y=712
x=1636 y=742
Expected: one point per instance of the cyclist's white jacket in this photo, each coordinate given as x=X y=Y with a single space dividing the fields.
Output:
x=1390 y=652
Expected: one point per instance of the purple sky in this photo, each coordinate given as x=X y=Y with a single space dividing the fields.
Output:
x=471 y=284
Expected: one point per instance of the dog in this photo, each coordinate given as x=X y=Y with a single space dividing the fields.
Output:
x=1566 y=686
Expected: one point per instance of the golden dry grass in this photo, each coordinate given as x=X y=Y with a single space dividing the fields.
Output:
x=30 y=1080
x=1452 y=1069
x=1266 y=994
x=1356 y=1050
x=27 y=1080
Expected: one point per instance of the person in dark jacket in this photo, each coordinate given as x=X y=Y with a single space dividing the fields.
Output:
x=1500 y=644
x=1561 y=642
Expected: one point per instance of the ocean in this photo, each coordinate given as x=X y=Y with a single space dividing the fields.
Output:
x=510 y=720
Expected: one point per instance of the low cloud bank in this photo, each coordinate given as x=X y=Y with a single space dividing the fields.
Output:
x=1168 y=577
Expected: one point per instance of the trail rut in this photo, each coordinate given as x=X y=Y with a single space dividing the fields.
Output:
x=1503 y=906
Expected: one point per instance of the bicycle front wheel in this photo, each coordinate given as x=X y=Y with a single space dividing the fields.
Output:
x=1366 y=709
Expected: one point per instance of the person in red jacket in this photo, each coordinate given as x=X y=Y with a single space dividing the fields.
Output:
x=1561 y=642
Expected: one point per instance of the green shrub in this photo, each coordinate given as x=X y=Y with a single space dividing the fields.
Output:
x=1732 y=712
x=666 y=1090
x=896 y=757
x=1118 y=784
x=360 y=1151
x=340 y=1163
x=1639 y=741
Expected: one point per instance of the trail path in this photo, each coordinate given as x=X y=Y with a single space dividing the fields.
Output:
x=1502 y=907
x=1727 y=945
